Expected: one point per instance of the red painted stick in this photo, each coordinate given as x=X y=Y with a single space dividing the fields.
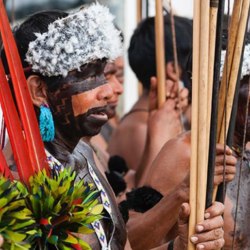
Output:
x=13 y=124
x=25 y=105
x=4 y=169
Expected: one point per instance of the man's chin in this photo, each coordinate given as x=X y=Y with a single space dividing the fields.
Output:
x=111 y=113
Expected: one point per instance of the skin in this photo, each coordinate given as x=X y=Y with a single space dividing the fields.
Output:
x=174 y=188
x=98 y=141
x=134 y=125
x=152 y=235
x=1 y=240
x=174 y=157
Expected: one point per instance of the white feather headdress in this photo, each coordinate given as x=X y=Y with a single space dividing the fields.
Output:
x=245 y=69
x=75 y=40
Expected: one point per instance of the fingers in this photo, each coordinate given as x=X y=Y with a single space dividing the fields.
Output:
x=209 y=233
x=216 y=209
x=207 y=236
x=183 y=224
x=210 y=224
x=184 y=214
x=220 y=149
x=218 y=179
x=229 y=160
x=229 y=170
x=215 y=244
x=153 y=94
x=183 y=98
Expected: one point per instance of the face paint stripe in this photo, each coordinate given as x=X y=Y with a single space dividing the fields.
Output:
x=73 y=88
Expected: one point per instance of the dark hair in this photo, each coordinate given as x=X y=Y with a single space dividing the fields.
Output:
x=141 y=51
x=25 y=33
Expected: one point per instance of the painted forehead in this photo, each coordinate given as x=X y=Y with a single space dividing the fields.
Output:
x=89 y=77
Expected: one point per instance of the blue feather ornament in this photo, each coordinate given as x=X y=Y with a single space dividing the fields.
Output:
x=46 y=124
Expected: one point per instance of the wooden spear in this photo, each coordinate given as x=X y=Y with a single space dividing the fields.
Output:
x=233 y=30
x=194 y=125
x=138 y=10
x=203 y=128
x=160 y=53
x=234 y=57
x=25 y=106
x=235 y=63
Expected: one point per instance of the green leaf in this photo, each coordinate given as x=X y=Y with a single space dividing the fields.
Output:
x=3 y=202
x=92 y=196
x=85 y=230
x=15 y=237
x=23 y=224
x=84 y=245
x=71 y=239
x=97 y=209
x=22 y=215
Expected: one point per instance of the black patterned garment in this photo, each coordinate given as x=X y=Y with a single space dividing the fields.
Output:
x=242 y=232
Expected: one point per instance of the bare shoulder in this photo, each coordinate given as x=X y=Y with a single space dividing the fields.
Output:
x=171 y=165
x=128 y=140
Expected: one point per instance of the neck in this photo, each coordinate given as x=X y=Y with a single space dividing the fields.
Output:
x=69 y=143
x=86 y=139
x=142 y=102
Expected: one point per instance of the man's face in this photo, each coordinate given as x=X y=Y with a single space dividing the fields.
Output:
x=110 y=75
x=79 y=106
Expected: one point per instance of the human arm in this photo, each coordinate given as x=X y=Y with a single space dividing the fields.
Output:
x=147 y=230
x=163 y=124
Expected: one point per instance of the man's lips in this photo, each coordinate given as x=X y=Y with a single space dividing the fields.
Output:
x=99 y=113
x=100 y=116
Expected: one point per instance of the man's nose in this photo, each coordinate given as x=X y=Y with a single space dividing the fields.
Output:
x=117 y=86
x=105 y=92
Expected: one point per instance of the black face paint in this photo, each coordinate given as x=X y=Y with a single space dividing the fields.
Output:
x=60 y=102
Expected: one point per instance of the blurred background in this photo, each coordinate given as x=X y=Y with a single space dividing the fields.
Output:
x=127 y=15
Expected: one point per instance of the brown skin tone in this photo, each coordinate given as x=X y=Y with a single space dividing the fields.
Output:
x=176 y=152
x=147 y=230
x=135 y=125
x=174 y=188
x=201 y=238
x=110 y=72
x=174 y=157
x=75 y=113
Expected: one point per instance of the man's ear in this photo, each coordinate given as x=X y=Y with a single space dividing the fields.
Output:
x=170 y=71
x=37 y=89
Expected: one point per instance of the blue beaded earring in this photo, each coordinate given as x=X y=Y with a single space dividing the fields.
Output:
x=46 y=123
